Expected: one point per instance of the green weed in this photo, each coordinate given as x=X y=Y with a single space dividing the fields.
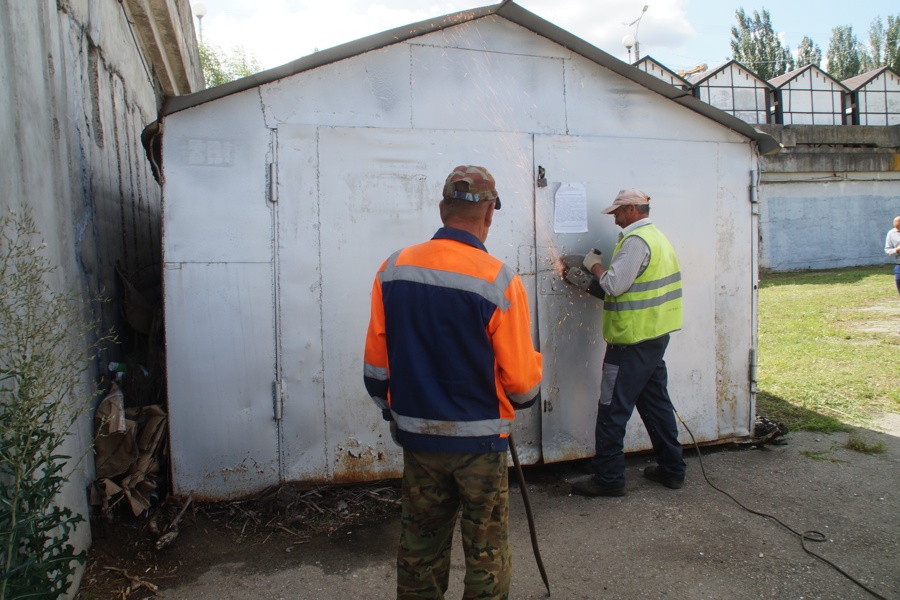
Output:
x=46 y=349
x=858 y=443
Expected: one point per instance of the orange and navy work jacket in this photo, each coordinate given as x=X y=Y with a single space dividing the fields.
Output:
x=449 y=354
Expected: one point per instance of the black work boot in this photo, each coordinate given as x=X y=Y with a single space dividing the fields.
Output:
x=653 y=473
x=592 y=487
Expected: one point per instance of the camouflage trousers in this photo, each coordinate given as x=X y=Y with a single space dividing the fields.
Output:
x=438 y=486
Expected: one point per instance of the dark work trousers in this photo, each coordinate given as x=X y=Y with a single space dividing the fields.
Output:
x=635 y=376
x=897 y=277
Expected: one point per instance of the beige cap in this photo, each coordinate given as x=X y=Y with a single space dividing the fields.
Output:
x=626 y=197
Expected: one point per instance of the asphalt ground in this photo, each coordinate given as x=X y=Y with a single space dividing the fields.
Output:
x=654 y=542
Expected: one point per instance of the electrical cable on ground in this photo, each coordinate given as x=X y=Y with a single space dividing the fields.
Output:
x=806 y=536
x=524 y=488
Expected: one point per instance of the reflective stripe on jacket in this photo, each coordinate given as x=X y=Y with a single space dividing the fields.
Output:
x=651 y=307
x=449 y=350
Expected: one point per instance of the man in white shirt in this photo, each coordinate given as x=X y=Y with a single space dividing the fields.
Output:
x=892 y=248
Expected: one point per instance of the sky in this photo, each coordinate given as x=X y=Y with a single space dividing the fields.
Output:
x=680 y=34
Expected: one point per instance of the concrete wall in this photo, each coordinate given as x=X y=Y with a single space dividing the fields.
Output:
x=828 y=199
x=79 y=86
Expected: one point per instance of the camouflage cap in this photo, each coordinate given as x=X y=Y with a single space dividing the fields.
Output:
x=481 y=186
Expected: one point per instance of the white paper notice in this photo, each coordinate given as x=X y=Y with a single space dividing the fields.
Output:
x=570 y=210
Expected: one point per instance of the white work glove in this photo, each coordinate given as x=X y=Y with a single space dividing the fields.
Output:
x=592 y=258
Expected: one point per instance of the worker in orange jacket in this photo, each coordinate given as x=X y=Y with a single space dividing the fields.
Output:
x=448 y=359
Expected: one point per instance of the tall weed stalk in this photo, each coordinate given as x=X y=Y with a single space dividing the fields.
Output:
x=47 y=345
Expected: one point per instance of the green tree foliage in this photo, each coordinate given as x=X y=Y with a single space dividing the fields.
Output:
x=872 y=58
x=756 y=46
x=892 y=43
x=46 y=348
x=221 y=67
x=884 y=44
x=845 y=54
x=808 y=53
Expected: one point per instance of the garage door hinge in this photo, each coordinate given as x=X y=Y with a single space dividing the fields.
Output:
x=272 y=183
x=278 y=398
x=752 y=373
x=754 y=193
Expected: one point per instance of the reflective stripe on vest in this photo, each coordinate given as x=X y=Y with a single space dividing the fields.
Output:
x=651 y=307
x=486 y=427
x=492 y=291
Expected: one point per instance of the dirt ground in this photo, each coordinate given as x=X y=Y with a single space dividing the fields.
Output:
x=652 y=543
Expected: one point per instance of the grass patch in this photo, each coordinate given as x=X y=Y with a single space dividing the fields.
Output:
x=858 y=443
x=824 y=339
x=821 y=455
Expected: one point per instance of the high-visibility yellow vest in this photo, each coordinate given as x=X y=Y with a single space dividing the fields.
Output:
x=651 y=307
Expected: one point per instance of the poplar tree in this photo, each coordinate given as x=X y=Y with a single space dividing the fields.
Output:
x=884 y=44
x=808 y=53
x=756 y=46
x=872 y=59
x=892 y=43
x=845 y=54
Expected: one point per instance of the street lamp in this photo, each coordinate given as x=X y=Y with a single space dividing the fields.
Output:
x=632 y=40
x=628 y=41
x=200 y=12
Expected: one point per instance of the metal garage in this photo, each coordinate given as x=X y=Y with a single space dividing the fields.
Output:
x=284 y=191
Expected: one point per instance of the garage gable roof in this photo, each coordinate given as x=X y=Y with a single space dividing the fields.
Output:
x=855 y=83
x=510 y=11
x=648 y=63
x=783 y=80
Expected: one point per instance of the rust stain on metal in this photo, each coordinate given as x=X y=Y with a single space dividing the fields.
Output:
x=244 y=467
x=363 y=476
x=208 y=498
x=357 y=462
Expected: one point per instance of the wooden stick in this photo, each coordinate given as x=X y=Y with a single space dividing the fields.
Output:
x=135 y=580
x=181 y=512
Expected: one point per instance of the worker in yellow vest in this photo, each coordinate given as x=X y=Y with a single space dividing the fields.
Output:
x=642 y=306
